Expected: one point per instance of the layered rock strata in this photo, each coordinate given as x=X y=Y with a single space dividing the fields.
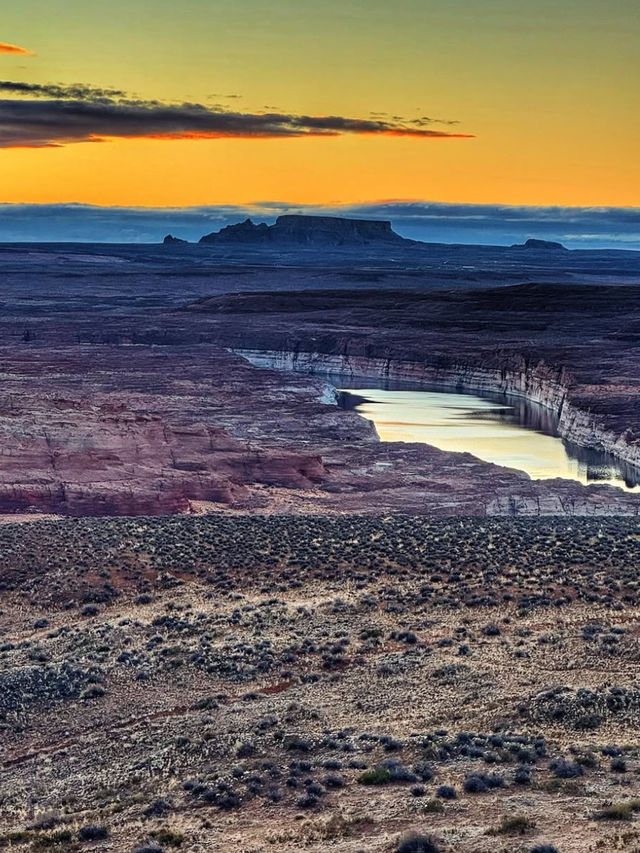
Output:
x=110 y=406
x=538 y=383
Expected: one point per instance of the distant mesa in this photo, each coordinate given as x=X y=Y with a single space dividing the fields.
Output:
x=531 y=243
x=296 y=230
x=241 y=232
x=308 y=230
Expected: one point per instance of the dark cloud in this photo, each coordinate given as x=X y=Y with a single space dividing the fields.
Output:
x=93 y=115
x=5 y=47
x=426 y=120
x=75 y=91
x=577 y=227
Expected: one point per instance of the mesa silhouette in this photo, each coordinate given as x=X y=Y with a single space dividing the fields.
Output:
x=315 y=230
x=296 y=230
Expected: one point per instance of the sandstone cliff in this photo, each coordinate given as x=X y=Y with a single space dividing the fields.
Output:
x=567 y=348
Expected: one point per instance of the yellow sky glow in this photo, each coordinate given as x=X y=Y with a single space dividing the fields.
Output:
x=549 y=90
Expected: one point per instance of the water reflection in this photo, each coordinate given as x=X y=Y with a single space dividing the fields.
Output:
x=505 y=430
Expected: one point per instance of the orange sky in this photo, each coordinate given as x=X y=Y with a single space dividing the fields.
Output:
x=549 y=91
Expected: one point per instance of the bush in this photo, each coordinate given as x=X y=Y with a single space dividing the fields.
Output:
x=478 y=783
x=94 y=691
x=587 y=760
x=92 y=832
x=168 y=836
x=544 y=848
x=46 y=820
x=158 y=808
x=517 y=825
x=618 y=765
x=475 y=784
x=423 y=771
x=618 y=811
x=566 y=769
x=295 y=743
x=433 y=807
x=307 y=801
x=245 y=750
x=446 y=792
x=418 y=844
x=375 y=776
x=522 y=776
x=60 y=836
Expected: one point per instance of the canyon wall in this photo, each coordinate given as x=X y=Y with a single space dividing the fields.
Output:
x=537 y=382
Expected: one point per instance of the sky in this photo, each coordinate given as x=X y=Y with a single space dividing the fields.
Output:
x=150 y=103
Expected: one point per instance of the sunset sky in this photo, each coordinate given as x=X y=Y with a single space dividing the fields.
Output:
x=320 y=101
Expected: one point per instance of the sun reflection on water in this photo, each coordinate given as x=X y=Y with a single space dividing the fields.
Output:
x=505 y=431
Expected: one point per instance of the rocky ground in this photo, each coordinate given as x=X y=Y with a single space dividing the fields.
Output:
x=318 y=683
x=135 y=429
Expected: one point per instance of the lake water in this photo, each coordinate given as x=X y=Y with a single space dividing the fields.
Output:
x=505 y=430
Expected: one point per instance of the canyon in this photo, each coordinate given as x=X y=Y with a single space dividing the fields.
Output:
x=543 y=350
x=179 y=379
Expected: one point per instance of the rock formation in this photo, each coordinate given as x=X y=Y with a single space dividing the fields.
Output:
x=241 y=232
x=138 y=441
x=532 y=243
x=156 y=430
x=536 y=348
x=170 y=240
x=308 y=230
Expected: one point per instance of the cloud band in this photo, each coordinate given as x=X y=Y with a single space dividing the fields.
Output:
x=96 y=116
x=577 y=227
x=5 y=47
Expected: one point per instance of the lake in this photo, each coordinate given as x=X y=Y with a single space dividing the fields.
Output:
x=505 y=430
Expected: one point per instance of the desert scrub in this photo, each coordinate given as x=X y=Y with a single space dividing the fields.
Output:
x=479 y=783
x=433 y=806
x=583 y=709
x=563 y=769
x=375 y=776
x=24 y=687
x=52 y=839
x=415 y=843
x=446 y=792
x=168 y=837
x=516 y=825
x=623 y=810
x=93 y=832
